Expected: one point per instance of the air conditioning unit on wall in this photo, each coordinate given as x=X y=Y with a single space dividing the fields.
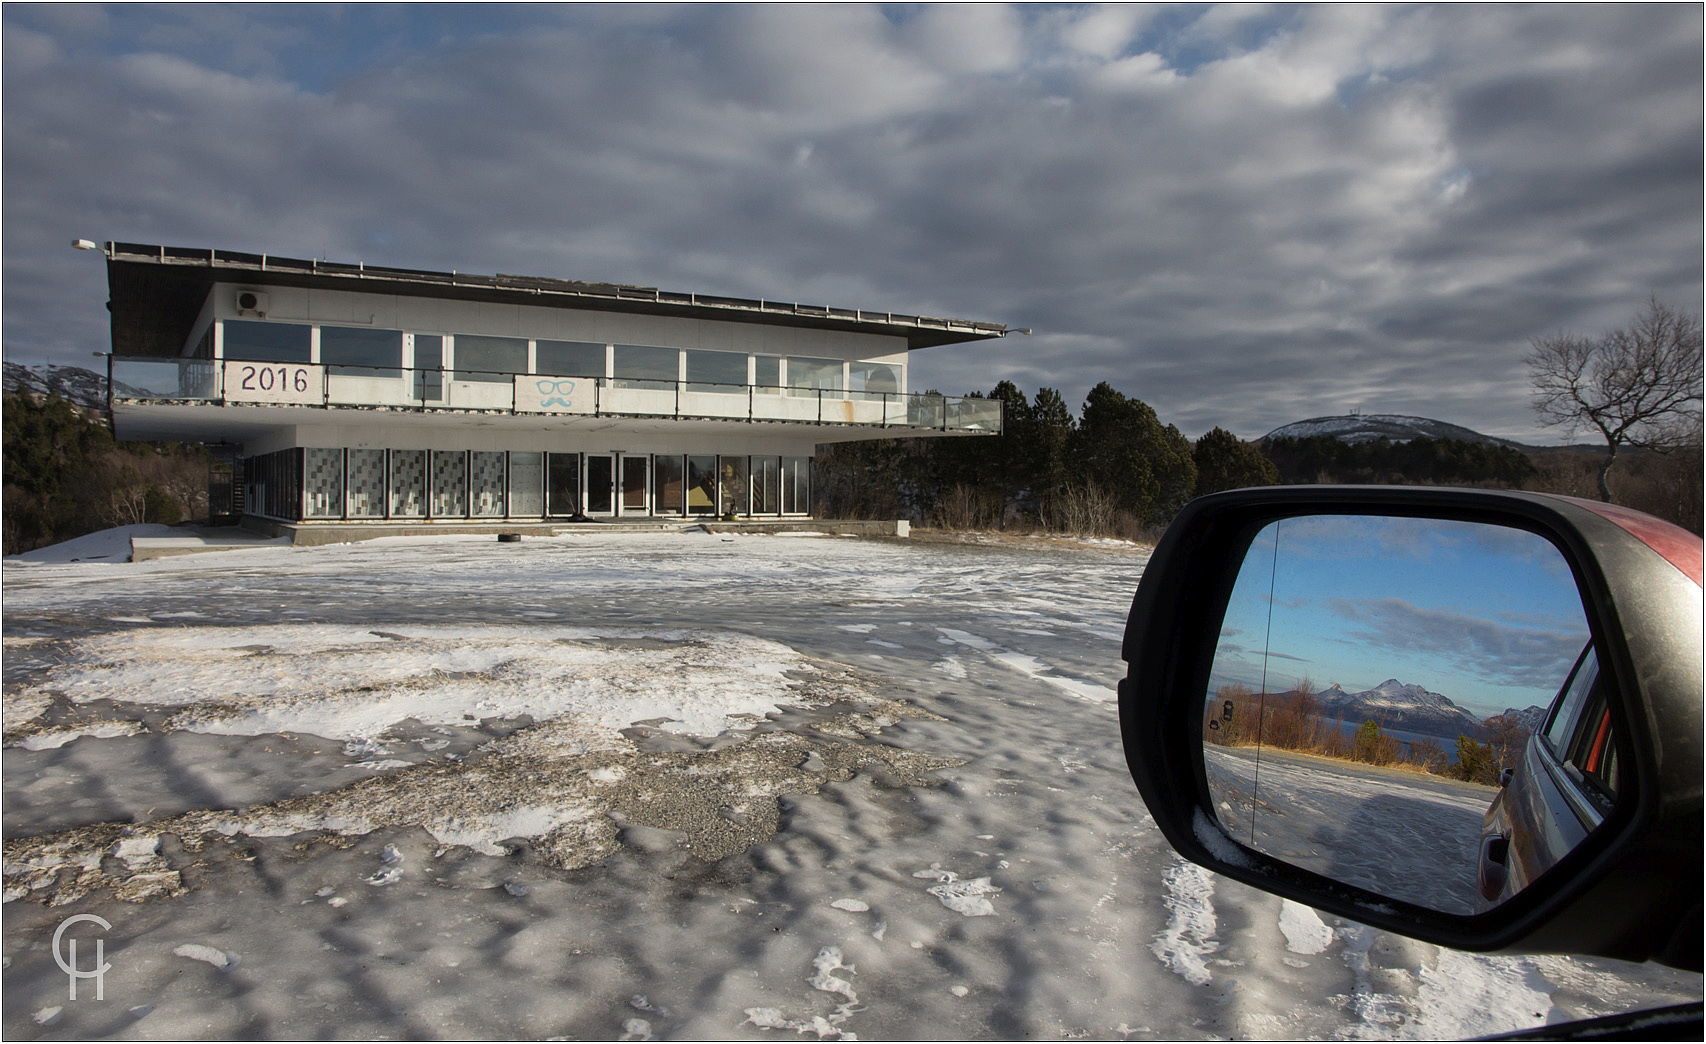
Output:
x=252 y=302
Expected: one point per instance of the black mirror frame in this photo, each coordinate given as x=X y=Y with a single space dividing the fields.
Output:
x=1632 y=891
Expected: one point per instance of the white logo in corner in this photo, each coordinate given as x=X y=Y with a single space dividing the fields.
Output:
x=68 y=961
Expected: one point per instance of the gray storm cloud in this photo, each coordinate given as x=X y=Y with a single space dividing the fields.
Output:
x=1497 y=652
x=1244 y=217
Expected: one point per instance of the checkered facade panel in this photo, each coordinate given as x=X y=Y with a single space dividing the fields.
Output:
x=408 y=483
x=486 y=483
x=365 y=495
x=449 y=484
x=527 y=485
x=323 y=483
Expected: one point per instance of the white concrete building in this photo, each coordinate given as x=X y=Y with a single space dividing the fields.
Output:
x=349 y=394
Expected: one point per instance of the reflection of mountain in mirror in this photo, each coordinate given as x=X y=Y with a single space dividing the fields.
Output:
x=1373 y=677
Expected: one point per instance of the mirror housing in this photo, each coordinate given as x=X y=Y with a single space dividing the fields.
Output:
x=1631 y=892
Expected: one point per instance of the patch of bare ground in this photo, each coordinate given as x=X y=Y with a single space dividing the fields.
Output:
x=538 y=793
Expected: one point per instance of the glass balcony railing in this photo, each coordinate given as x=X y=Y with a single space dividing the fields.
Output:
x=260 y=383
x=163 y=378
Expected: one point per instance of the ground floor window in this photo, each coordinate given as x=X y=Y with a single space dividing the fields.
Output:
x=701 y=485
x=766 y=485
x=565 y=479
x=326 y=483
x=668 y=486
x=796 y=485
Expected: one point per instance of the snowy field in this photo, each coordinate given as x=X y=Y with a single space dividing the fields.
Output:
x=673 y=786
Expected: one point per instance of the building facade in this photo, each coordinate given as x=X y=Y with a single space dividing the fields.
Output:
x=346 y=393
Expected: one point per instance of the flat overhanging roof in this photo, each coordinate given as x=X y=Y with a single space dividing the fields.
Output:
x=157 y=292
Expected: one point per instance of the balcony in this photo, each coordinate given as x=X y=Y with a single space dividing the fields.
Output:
x=135 y=381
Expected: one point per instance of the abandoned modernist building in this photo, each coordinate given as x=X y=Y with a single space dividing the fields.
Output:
x=339 y=392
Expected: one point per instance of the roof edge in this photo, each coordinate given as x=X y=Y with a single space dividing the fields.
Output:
x=920 y=331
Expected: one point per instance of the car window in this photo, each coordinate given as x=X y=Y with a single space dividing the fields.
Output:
x=1567 y=709
x=1592 y=756
x=1580 y=734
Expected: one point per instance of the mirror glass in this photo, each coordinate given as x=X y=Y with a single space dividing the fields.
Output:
x=1373 y=698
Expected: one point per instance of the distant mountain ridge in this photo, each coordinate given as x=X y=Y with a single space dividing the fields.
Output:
x=1395 y=705
x=1413 y=708
x=74 y=384
x=1396 y=427
x=1531 y=718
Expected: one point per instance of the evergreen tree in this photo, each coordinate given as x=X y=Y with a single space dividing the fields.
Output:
x=65 y=476
x=1130 y=455
x=1052 y=429
x=1225 y=462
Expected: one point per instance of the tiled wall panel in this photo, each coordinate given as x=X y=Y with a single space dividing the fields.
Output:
x=449 y=484
x=486 y=483
x=365 y=497
x=526 y=485
x=324 y=483
x=408 y=483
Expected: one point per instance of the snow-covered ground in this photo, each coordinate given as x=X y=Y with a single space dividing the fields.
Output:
x=1398 y=833
x=627 y=786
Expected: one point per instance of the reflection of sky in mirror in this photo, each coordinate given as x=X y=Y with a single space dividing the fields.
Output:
x=1487 y=616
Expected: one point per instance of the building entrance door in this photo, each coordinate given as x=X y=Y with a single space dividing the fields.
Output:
x=563 y=477
x=634 y=484
x=600 y=484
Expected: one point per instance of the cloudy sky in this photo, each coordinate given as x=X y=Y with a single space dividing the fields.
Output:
x=1318 y=599
x=1244 y=215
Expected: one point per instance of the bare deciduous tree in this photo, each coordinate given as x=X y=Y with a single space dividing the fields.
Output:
x=1639 y=386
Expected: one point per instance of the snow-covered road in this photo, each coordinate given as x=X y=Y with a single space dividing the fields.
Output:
x=677 y=786
x=1394 y=832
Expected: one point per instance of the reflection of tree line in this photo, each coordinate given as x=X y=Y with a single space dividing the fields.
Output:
x=1292 y=720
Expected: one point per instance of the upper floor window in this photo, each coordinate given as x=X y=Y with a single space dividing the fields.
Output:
x=267 y=342
x=494 y=360
x=873 y=379
x=569 y=358
x=814 y=374
x=767 y=373
x=716 y=371
x=362 y=352
x=641 y=366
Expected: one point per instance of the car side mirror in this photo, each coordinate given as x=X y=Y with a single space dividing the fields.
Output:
x=1325 y=683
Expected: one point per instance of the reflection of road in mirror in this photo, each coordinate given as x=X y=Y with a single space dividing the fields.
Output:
x=1399 y=834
